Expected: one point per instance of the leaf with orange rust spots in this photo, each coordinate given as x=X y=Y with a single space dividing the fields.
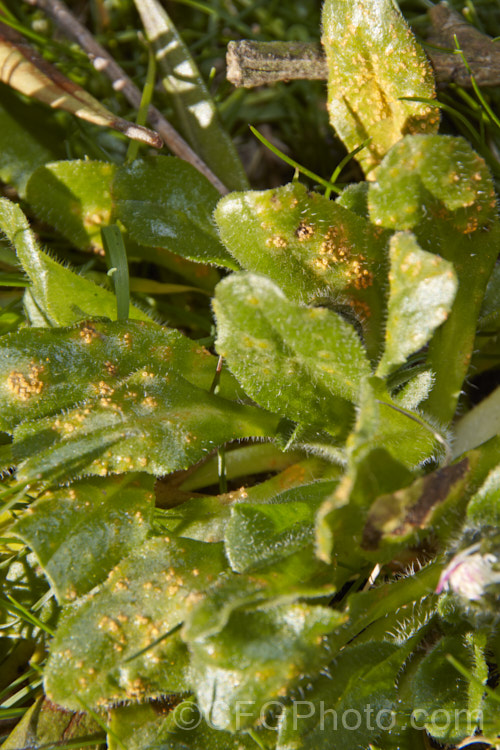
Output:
x=374 y=64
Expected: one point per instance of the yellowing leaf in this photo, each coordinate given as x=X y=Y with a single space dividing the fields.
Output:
x=373 y=62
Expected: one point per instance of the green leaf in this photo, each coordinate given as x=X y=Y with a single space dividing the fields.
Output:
x=295 y=576
x=441 y=693
x=175 y=212
x=121 y=641
x=374 y=61
x=258 y=535
x=433 y=503
x=489 y=319
x=313 y=248
x=75 y=198
x=155 y=423
x=415 y=390
x=304 y=363
x=116 y=256
x=29 y=137
x=340 y=520
x=80 y=533
x=45 y=371
x=258 y=657
x=408 y=435
x=479 y=424
x=355 y=198
x=149 y=727
x=138 y=412
x=81 y=298
x=352 y=705
x=368 y=610
x=191 y=97
x=438 y=188
x=47 y=725
x=422 y=290
x=407 y=440
x=484 y=507
x=206 y=518
x=158 y=423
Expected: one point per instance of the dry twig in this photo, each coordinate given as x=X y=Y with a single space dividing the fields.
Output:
x=252 y=64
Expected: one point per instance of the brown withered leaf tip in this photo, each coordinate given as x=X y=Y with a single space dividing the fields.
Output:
x=390 y=517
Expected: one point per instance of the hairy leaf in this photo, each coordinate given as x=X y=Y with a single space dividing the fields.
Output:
x=294 y=576
x=340 y=520
x=161 y=726
x=438 y=188
x=75 y=198
x=386 y=443
x=80 y=533
x=175 y=212
x=45 y=371
x=29 y=137
x=484 y=507
x=155 y=423
x=374 y=61
x=350 y=705
x=397 y=520
x=261 y=534
x=129 y=407
x=440 y=692
x=313 y=248
x=258 y=657
x=81 y=298
x=305 y=363
x=121 y=641
x=422 y=290
x=206 y=518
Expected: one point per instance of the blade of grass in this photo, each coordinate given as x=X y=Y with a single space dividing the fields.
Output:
x=327 y=185
x=11 y=713
x=147 y=96
x=30 y=672
x=475 y=87
x=25 y=692
x=13 y=279
x=190 y=96
x=338 y=169
x=154 y=643
x=25 y=614
x=116 y=256
x=221 y=452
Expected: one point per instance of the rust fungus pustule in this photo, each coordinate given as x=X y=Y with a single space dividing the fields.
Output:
x=304 y=231
x=88 y=333
x=276 y=241
x=26 y=386
x=111 y=368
